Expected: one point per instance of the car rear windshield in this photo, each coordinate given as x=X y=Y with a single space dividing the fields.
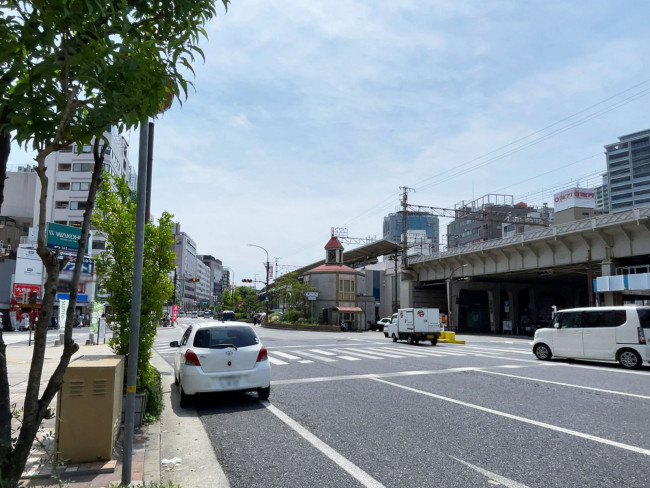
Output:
x=216 y=336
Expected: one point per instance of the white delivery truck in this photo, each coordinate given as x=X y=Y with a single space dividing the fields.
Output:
x=416 y=324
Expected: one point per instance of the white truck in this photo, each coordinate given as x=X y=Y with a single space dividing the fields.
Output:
x=415 y=324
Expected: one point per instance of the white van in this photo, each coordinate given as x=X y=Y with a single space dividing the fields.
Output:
x=600 y=333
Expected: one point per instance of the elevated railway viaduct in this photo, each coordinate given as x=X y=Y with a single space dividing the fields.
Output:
x=506 y=285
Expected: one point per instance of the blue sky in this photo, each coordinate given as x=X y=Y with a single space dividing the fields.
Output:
x=311 y=115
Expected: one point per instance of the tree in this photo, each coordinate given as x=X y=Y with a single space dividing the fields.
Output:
x=70 y=69
x=114 y=217
x=249 y=298
x=290 y=292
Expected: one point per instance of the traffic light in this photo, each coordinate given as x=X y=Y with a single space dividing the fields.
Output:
x=195 y=280
x=246 y=280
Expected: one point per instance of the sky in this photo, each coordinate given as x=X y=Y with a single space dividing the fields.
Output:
x=308 y=115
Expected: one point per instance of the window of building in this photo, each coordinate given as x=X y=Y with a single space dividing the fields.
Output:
x=61 y=205
x=66 y=149
x=77 y=205
x=62 y=222
x=63 y=185
x=82 y=167
x=65 y=166
x=346 y=289
x=75 y=223
x=99 y=245
x=79 y=186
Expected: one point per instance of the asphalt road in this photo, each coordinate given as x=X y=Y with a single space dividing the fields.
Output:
x=355 y=409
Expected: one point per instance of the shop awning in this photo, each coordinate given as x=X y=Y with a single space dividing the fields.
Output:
x=348 y=309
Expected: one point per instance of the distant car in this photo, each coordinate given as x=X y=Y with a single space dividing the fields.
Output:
x=382 y=323
x=391 y=327
x=182 y=314
x=194 y=314
x=228 y=315
x=214 y=357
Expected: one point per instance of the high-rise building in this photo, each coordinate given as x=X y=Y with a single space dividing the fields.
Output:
x=216 y=275
x=422 y=228
x=628 y=172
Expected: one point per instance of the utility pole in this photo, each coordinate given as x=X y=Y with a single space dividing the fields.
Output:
x=405 y=192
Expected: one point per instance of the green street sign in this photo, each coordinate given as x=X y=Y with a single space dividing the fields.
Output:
x=63 y=237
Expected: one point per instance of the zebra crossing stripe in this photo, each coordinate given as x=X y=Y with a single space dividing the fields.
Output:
x=406 y=353
x=285 y=355
x=381 y=353
x=324 y=353
x=349 y=358
x=362 y=354
x=315 y=356
x=273 y=360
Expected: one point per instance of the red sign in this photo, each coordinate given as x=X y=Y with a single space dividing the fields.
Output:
x=174 y=313
x=20 y=290
x=420 y=313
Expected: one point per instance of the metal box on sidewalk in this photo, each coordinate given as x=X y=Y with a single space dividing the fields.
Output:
x=89 y=407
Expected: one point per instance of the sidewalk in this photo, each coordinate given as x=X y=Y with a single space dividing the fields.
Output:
x=179 y=434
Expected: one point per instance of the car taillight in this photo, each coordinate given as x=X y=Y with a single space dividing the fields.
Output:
x=641 y=335
x=262 y=356
x=191 y=358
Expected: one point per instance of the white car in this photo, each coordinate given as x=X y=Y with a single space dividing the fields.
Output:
x=381 y=324
x=213 y=357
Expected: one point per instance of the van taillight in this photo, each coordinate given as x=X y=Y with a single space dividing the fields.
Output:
x=262 y=356
x=191 y=358
x=641 y=335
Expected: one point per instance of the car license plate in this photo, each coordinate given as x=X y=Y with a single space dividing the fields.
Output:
x=229 y=382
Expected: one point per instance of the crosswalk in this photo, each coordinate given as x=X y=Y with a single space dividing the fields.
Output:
x=373 y=352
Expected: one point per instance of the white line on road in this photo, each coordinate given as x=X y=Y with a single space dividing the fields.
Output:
x=273 y=360
x=493 y=476
x=357 y=353
x=638 y=450
x=565 y=384
x=285 y=355
x=352 y=469
x=315 y=356
x=324 y=353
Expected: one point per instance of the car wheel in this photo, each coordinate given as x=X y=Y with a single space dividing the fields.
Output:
x=542 y=352
x=410 y=339
x=629 y=359
x=263 y=393
x=394 y=338
x=386 y=335
x=186 y=399
x=434 y=341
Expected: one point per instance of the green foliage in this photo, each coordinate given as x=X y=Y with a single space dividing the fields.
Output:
x=288 y=291
x=276 y=318
x=114 y=216
x=250 y=301
x=292 y=316
x=154 y=395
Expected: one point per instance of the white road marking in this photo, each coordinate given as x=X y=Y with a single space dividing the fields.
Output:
x=285 y=355
x=305 y=361
x=316 y=356
x=384 y=354
x=349 y=358
x=352 y=469
x=501 y=480
x=273 y=360
x=638 y=450
x=566 y=384
x=362 y=354
x=324 y=353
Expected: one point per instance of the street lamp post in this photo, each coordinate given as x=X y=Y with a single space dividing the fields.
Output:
x=449 y=304
x=266 y=279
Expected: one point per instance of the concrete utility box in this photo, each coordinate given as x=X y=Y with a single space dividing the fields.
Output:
x=89 y=407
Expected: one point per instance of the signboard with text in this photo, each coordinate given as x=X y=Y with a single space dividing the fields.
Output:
x=21 y=289
x=574 y=197
x=63 y=237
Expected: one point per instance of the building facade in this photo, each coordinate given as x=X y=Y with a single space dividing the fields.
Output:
x=216 y=277
x=422 y=228
x=628 y=172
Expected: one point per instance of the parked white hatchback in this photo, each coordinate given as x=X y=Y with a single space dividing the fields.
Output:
x=598 y=333
x=214 y=357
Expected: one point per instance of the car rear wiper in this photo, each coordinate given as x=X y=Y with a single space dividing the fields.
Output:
x=222 y=346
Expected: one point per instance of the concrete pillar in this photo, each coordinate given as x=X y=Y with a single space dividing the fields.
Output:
x=608 y=268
